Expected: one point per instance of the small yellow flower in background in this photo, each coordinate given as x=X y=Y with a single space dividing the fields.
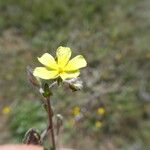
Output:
x=147 y=55
x=6 y=110
x=118 y=56
x=101 y=110
x=76 y=110
x=71 y=122
x=98 y=124
x=62 y=66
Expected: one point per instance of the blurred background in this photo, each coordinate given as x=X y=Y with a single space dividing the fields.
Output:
x=112 y=111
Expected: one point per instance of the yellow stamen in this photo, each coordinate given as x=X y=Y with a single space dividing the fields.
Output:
x=61 y=70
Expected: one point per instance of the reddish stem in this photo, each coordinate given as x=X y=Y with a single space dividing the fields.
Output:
x=50 y=115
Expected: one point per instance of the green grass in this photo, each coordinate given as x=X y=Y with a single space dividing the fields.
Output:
x=114 y=38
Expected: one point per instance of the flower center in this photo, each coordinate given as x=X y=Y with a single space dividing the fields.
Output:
x=61 y=70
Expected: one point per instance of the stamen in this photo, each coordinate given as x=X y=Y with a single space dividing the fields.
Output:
x=61 y=70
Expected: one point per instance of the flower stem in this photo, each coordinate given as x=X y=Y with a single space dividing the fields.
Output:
x=50 y=115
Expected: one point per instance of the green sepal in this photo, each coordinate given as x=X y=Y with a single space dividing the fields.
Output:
x=47 y=91
x=59 y=81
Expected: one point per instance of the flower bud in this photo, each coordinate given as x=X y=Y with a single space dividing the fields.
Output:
x=32 y=137
x=76 y=86
x=59 y=122
x=35 y=81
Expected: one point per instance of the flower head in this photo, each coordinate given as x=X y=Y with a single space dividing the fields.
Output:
x=101 y=110
x=6 y=110
x=98 y=124
x=75 y=85
x=76 y=110
x=62 y=66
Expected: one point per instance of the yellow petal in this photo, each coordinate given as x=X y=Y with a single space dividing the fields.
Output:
x=63 y=55
x=69 y=75
x=76 y=63
x=44 y=73
x=48 y=61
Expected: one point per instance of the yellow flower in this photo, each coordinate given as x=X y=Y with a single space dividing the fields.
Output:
x=98 y=124
x=76 y=110
x=147 y=55
x=118 y=56
x=6 y=110
x=101 y=110
x=62 y=66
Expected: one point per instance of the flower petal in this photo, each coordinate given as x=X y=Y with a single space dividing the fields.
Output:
x=69 y=75
x=63 y=55
x=44 y=73
x=48 y=61
x=76 y=63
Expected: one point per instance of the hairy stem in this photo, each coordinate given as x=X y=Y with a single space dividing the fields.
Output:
x=50 y=115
